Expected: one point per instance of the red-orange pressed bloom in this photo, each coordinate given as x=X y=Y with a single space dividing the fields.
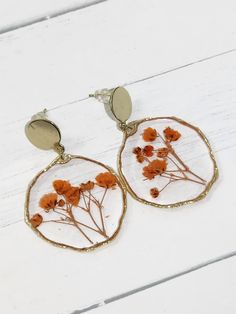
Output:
x=36 y=220
x=154 y=192
x=87 y=186
x=148 y=150
x=171 y=135
x=149 y=134
x=61 y=186
x=48 y=201
x=61 y=203
x=139 y=154
x=162 y=152
x=155 y=167
x=106 y=180
x=73 y=195
x=140 y=158
x=137 y=150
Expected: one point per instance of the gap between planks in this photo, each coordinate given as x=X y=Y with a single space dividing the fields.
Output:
x=155 y=283
x=56 y=14
x=233 y=50
x=138 y=81
x=156 y=75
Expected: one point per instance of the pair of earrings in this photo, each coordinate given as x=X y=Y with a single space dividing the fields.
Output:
x=80 y=203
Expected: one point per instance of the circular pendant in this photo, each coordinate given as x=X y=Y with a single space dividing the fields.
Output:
x=166 y=162
x=77 y=203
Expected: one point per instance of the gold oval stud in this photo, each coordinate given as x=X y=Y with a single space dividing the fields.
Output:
x=121 y=104
x=43 y=133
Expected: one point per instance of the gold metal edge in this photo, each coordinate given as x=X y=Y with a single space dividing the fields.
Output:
x=202 y=195
x=62 y=245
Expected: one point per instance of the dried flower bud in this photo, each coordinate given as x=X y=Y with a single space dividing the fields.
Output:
x=154 y=192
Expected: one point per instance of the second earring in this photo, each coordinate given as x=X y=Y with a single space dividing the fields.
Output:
x=163 y=161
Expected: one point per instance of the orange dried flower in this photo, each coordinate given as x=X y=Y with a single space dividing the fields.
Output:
x=137 y=150
x=171 y=135
x=149 y=173
x=61 y=186
x=87 y=186
x=148 y=150
x=155 y=167
x=36 y=220
x=149 y=134
x=106 y=180
x=48 y=201
x=61 y=203
x=73 y=195
x=162 y=152
x=140 y=158
x=154 y=192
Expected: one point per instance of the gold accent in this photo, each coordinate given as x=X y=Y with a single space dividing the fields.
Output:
x=121 y=104
x=66 y=159
x=42 y=133
x=127 y=134
x=117 y=103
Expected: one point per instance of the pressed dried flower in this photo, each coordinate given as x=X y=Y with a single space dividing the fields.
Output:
x=140 y=158
x=149 y=173
x=137 y=150
x=87 y=186
x=171 y=135
x=162 y=152
x=36 y=220
x=149 y=134
x=154 y=192
x=61 y=186
x=73 y=195
x=61 y=203
x=48 y=201
x=148 y=150
x=106 y=180
x=155 y=167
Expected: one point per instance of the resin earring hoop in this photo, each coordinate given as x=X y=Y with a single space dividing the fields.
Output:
x=75 y=202
x=163 y=161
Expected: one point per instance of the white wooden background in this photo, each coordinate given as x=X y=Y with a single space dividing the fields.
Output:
x=175 y=58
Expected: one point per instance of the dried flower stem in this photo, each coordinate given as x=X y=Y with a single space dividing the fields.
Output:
x=88 y=210
x=72 y=224
x=100 y=210
x=170 y=181
x=70 y=212
x=173 y=153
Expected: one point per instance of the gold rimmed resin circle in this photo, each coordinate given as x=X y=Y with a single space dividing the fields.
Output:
x=79 y=204
x=166 y=162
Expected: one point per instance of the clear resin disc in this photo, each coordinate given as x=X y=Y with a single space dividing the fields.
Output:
x=79 y=203
x=166 y=162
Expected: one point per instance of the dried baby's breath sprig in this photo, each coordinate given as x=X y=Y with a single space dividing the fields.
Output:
x=167 y=157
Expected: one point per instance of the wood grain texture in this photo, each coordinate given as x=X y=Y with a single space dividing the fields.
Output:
x=14 y=16
x=55 y=64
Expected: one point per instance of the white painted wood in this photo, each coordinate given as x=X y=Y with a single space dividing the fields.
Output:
x=209 y=290
x=14 y=14
x=58 y=62
x=153 y=243
x=62 y=60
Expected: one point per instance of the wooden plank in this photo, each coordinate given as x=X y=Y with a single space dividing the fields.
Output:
x=61 y=60
x=14 y=15
x=201 y=93
x=209 y=290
